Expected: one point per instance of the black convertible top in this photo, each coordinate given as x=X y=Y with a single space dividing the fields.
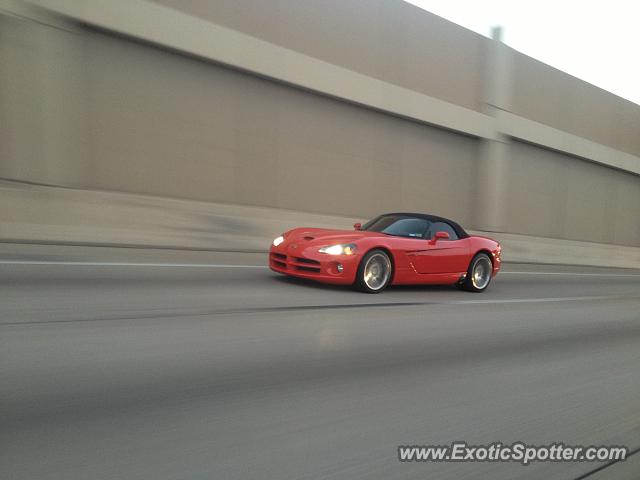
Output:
x=432 y=218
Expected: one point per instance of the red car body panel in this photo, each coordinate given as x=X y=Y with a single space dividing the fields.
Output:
x=415 y=260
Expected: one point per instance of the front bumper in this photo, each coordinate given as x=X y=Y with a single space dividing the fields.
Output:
x=306 y=262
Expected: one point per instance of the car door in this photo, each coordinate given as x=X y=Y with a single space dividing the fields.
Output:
x=442 y=255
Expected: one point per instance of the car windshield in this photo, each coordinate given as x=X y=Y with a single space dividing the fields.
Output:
x=398 y=225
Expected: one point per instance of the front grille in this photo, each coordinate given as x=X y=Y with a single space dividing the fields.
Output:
x=306 y=260
x=300 y=264
x=308 y=269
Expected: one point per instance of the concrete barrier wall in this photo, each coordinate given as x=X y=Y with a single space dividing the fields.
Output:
x=404 y=45
x=53 y=215
x=165 y=124
x=98 y=112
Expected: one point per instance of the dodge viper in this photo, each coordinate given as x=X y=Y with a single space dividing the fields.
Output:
x=391 y=249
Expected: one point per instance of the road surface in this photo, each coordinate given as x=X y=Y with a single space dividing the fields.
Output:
x=215 y=367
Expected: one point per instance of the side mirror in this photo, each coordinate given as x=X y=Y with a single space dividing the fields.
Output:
x=357 y=226
x=439 y=236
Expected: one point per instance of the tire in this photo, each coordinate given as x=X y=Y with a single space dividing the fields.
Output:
x=479 y=274
x=374 y=272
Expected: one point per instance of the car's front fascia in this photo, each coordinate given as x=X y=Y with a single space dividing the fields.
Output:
x=302 y=258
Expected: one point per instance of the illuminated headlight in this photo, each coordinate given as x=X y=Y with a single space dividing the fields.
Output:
x=348 y=249
x=278 y=240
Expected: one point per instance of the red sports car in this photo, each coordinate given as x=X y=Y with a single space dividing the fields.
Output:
x=394 y=248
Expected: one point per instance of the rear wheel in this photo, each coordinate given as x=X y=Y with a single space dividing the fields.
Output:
x=479 y=273
x=374 y=272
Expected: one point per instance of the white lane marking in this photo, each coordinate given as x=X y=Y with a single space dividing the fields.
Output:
x=580 y=274
x=539 y=300
x=122 y=264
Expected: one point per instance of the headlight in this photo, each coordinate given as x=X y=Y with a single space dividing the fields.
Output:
x=278 y=240
x=348 y=249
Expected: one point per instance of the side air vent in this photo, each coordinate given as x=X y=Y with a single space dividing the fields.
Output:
x=308 y=238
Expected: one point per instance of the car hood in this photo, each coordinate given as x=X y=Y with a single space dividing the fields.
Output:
x=325 y=236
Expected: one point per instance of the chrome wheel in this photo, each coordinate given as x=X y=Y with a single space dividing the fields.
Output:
x=481 y=274
x=376 y=271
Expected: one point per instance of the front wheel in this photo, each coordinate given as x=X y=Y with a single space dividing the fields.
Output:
x=374 y=272
x=479 y=273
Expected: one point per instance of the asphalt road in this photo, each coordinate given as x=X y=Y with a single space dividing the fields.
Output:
x=209 y=371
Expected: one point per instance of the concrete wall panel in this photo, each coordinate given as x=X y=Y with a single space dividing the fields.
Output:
x=386 y=39
x=627 y=212
x=536 y=191
x=166 y=124
x=552 y=97
x=42 y=97
x=554 y=195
